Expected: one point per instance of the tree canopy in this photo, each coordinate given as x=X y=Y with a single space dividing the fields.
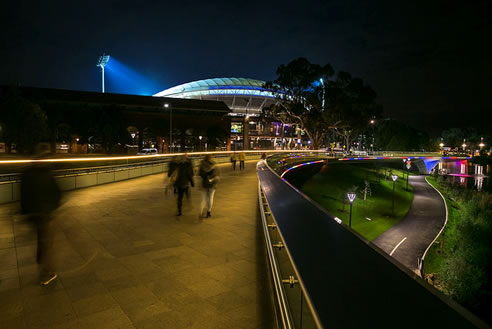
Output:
x=313 y=97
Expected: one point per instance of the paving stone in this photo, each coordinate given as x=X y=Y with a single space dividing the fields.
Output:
x=126 y=261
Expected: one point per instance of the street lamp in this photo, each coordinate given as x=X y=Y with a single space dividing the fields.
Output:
x=409 y=164
x=351 y=197
x=404 y=160
x=481 y=143
x=103 y=60
x=166 y=105
x=200 y=138
x=464 y=145
x=394 y=177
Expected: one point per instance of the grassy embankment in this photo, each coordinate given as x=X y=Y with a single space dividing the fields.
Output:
x=370 y=217
x=433 y=259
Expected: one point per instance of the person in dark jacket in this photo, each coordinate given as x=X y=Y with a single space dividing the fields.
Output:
x=182 y=172
x=210 y=177
x=40 y=196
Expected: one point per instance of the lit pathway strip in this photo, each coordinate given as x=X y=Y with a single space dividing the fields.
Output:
x=392 y=251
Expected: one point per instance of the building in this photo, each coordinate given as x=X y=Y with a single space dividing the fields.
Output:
x=246 y=98
x=87 y=120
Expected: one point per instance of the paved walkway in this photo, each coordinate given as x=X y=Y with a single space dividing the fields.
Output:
x=418 y=228
x=126 y=261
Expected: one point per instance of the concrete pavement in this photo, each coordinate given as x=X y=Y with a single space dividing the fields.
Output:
x=407 y=240
x=126 y=261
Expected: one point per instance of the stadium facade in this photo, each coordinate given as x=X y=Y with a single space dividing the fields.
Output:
x=246 y=98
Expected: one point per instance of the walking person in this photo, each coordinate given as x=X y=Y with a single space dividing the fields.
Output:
x=208 y=173
x=234 y=158
x=242 y=158
x=182 y=171
x=40 y=196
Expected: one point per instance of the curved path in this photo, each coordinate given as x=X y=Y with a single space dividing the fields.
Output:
x=407 y=240
x=126 y=261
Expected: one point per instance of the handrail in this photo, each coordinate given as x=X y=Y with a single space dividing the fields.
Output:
x=285 y=314
x=348 y=281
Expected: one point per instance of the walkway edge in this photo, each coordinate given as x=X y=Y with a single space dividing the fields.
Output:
x=438 y=234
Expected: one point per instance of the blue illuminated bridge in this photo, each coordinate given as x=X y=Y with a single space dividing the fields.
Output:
x=267 y=258
x=242 y=96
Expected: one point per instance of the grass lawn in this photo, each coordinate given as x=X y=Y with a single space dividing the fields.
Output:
x=332 y=183
x=434 y=259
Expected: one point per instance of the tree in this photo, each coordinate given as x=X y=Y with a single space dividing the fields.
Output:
x=23 y=122
x=299 y=97
x=309 y=97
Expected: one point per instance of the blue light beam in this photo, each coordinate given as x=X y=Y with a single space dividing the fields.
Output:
x=125 y=80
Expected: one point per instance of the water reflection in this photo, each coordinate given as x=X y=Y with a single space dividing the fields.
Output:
x=479 y=183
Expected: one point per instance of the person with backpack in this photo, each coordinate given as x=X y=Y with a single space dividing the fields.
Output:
x=210 y=177
x=182 y=172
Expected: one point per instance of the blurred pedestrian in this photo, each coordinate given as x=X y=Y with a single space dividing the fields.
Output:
x=183 y=170
x=242 y=158
x=40 y=196
x=234 y=158
x=208 y=173
x=263 y=156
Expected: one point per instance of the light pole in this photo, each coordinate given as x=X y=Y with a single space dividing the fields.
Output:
x=464 y=145
x=409 y=164
x=372 y=125
x=103 y=60
x=351 y=196
x=394 y=177
x=481 y=145
x=404 y=160
x=166 y=105
x=200 y=138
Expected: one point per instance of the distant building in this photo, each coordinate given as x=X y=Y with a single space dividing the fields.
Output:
x=246 y=98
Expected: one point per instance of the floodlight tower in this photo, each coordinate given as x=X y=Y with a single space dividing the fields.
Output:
x=103 y=60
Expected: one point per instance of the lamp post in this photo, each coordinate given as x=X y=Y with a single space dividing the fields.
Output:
x=481 y=145
x=409 y=164
x=351 y=197
x=394 y=177
x=103 y=60
x=200 y=138
x=464 y=145
x=166 y=105
x=404 y=161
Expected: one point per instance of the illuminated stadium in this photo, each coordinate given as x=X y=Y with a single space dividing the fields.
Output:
x=242 y=96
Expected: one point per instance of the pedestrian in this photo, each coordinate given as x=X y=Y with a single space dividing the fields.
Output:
x=234 y=158
x=242 y=158
x=182 y=171
x=208 y=173
x=40 y=197
x=263 y=156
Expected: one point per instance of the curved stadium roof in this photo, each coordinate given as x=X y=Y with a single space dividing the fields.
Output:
x=240 y=94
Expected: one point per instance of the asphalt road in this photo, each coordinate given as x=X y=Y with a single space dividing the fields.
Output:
x=407 y=240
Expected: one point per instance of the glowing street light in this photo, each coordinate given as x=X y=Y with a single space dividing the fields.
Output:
x=351 y=197
x=481 y=143
x=464 y=145
x=200 y=138
x=103 y=60
x=394 y=178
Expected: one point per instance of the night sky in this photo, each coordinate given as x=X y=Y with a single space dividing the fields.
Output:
x=430 y=62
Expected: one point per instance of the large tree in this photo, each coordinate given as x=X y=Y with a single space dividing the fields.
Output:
x=309 y=97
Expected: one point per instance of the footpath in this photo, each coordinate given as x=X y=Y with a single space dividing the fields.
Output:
x=125 y=260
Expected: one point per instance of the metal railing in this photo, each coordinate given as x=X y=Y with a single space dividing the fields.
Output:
x=327 y=276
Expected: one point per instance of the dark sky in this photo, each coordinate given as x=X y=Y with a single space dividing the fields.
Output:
x=430 y=62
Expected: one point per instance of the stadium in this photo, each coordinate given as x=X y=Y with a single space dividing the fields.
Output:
x=245 y=97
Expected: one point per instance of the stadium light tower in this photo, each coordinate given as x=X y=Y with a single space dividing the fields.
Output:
x=103 y=60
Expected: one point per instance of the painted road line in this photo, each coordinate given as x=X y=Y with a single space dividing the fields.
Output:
x=392 y=251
